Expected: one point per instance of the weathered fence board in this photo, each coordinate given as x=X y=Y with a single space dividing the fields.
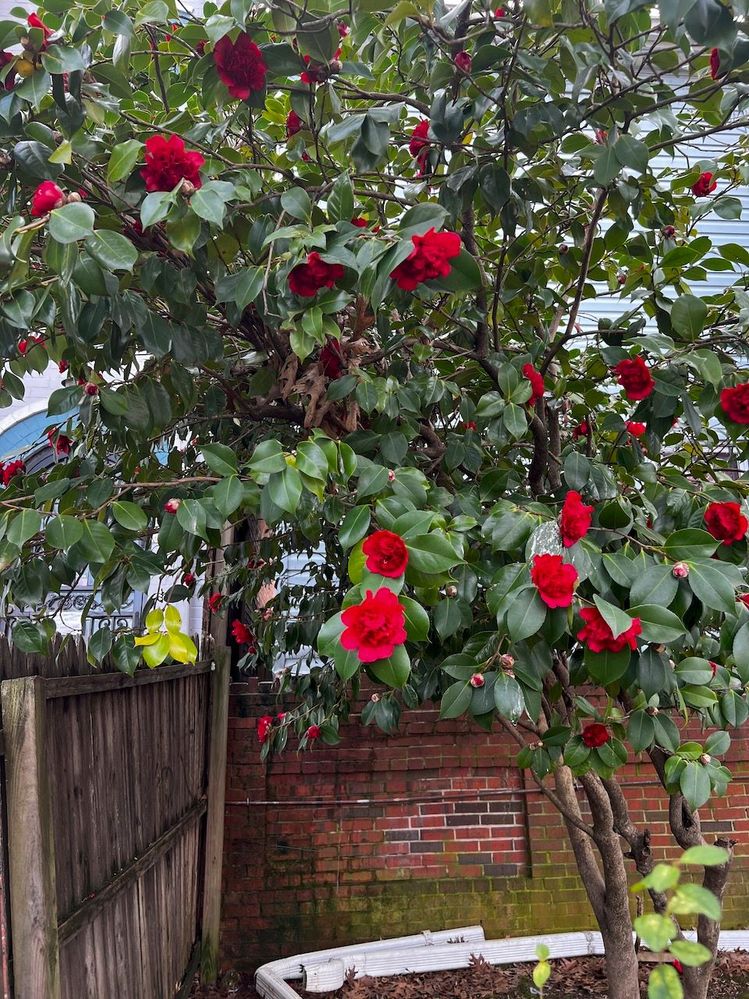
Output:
x=110 y=775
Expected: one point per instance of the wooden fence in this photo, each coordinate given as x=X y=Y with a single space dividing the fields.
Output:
x=114 y=802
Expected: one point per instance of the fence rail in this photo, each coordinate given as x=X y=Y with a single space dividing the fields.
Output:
x=112 y=793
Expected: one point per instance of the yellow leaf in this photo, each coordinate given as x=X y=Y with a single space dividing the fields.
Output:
x=154 y=655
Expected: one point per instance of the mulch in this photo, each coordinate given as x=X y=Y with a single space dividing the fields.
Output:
x=571 y=978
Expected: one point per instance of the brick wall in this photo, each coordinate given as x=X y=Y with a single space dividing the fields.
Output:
x=431 y=828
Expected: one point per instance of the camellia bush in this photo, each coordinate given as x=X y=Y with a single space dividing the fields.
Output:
x=330 y=279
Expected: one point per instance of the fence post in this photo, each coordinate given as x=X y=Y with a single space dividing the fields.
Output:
x=214 y=836
x=31 y=844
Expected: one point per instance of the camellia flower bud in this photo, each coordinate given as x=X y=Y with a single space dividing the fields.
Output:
x=506 y=661
x=705 y=759
x=477 y=680
x=680 y=570
x=172 y=505
x=188 y=189
x=652 y=711
x=563 y=248
x=621 y=278
x=451 y=590
x=73 y=198
x=90 y=389
x=391 y=475
x=669 y=231
x=374 y=698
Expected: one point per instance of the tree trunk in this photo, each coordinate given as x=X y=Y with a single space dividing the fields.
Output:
x=606 y=886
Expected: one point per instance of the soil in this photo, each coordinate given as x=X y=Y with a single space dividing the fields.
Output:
x=574 y=978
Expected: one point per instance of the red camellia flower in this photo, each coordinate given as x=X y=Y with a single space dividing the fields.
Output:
x=263 y=728
x=13 y=468
x=331 y=359
x=307 y=279
x=242 y=635
x=188 y=579
x=386 y=553
x=470 y=425
x=463 y=61
x=46 y=197
x=714 y=667
x=294 y=124
x=200 y=47
x=172 y=505
x=419 y=145
x=214 y=602
x=634 y=376
x=430 y=258
x=537 y=383
x=595 y=735
x=598 y=637
x=168 y=162
x=676 y=963
x=359 y=221
x=10 y=79
x=63 y=366
x=575 y=518
x=735 y=403
x=61 y=443
x=554 y=579
x=704 y=185
x=375 y=626
x=581 y=430
x=312 y=733
x=726 y=522
x=744 y=599
x=34 y=21
x=636 y=429
x=240 y=65
x=343 y=29
x=714 y=63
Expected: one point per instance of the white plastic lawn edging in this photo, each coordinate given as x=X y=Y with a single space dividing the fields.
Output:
x=446 y=950
x=270 y=980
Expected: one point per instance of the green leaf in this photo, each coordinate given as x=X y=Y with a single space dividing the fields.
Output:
x=694 y=784
x=607 y=667
x=655 y=931
x=577 y=470
x=607 y=166
x=694 y=900
x=209 y=201
x=59 y=59
x=658 y=624
x=221 y=459
x=630 y=152
x=641 y=731
x=712 y=588
x=508 y=697
x=416 y=619
x=709 y=22
x=23 y=527
x=268 y=457
x=112 y=250
x=657 y=585
x=100 y=643
x=690 y=544
x=615 y=618
x=296 y=202
x=456 y=699
x=431 y=553
x=154 y=12
x=71 y=222
x=118 y=23
x=63 y=532
x=704 y=856
x=227 y=495
x=355 y=525
x=191 y=516
x=129 y=515
x=526 y=615
x=688 y=315
x=690 y=953
x=340 y=201
x=395 y=671
x=285 y=489
x=664 y=983
x=29 y=637
x=242 y=288
x=96 y=543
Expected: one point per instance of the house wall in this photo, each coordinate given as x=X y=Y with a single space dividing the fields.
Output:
x=430 y=828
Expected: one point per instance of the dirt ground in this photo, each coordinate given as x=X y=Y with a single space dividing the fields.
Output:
x=570 y=979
